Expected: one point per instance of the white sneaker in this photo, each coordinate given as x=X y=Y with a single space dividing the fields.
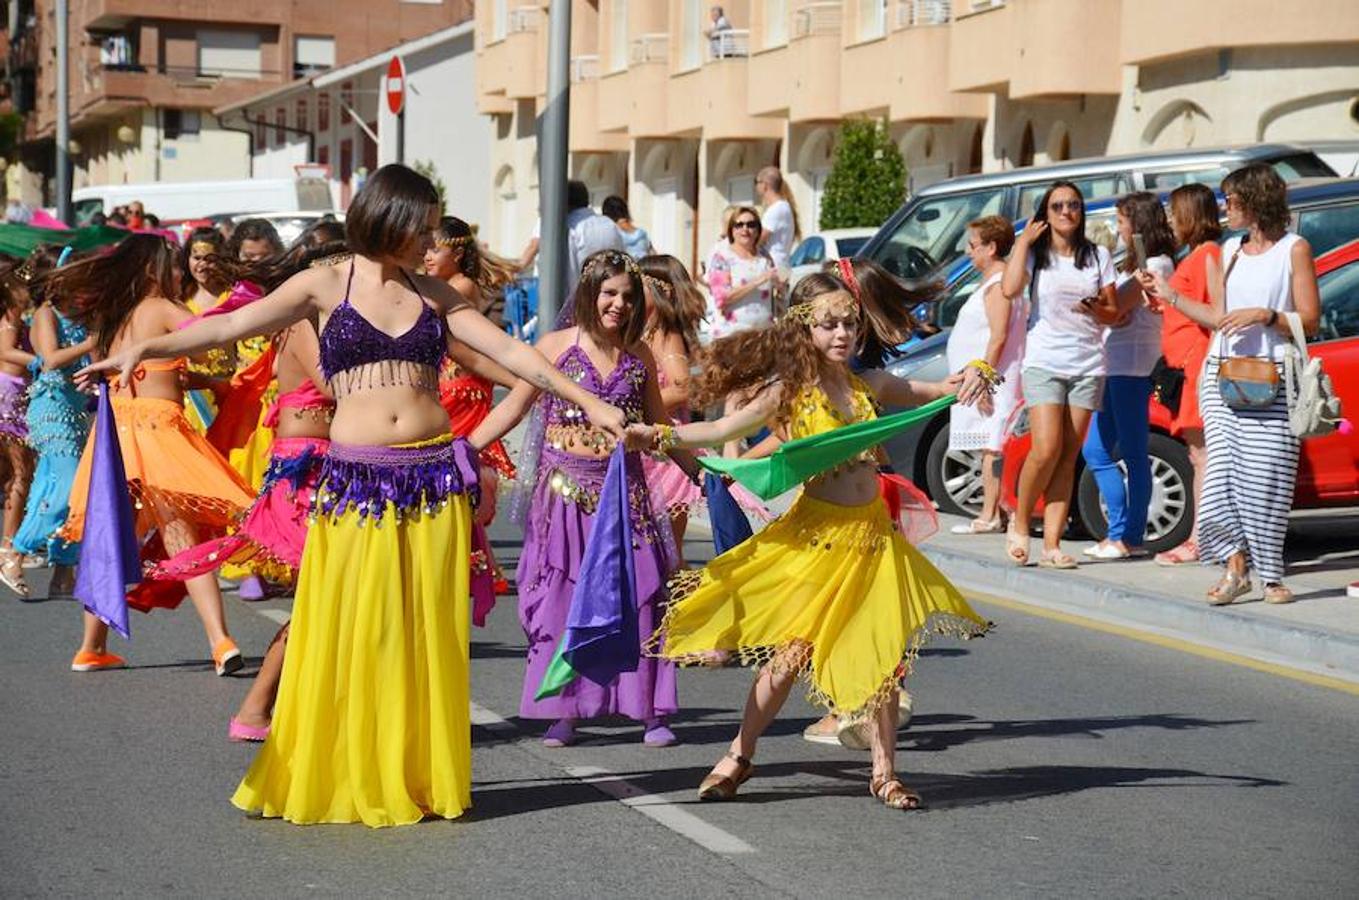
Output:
x=1352 y=590
x=1104 y=551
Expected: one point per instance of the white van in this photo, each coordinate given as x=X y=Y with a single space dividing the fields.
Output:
x=176 y=200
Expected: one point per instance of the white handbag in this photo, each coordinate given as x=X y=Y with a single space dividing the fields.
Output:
x=1313 y=407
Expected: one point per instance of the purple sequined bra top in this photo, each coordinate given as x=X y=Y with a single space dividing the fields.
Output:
x=356 y=354
x=623 y=387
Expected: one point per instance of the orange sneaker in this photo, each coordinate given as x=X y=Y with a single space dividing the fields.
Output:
x=226 y=657
x=89 y=661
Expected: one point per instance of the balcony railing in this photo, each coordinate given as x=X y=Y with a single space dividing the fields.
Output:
x=729 y=43
x=584 y=68
x=915 y=13
x=816 y=19
x=523 y=18
x=649 y=48
x=976 y=6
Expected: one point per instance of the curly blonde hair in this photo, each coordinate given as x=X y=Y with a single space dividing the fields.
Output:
x=749 y=361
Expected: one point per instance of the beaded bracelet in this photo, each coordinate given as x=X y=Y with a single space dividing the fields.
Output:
x=666 y=438
x=987 y=371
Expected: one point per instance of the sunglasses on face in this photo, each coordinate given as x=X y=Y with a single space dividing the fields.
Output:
x=746 y=223
x=1068 y=205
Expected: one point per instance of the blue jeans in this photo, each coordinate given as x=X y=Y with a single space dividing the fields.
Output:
x=1120 y=431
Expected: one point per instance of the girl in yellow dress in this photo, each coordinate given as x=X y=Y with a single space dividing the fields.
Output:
x=830 y=591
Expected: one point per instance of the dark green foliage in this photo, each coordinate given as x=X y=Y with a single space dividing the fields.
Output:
x=867 y=181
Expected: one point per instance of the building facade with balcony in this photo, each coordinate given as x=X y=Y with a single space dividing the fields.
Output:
x=145 y=76
x=677 y=119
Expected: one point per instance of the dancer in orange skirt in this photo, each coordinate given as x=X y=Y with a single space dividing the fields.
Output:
x=182 y=489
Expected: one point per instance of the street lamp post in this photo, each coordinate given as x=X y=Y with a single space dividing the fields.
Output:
x=63 y=136
x=552 y=172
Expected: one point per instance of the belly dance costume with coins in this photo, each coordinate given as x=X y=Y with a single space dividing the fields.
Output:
x=372 y=719
x=58 y=423
x=833 y=593
x=268 y=541
x=566 y=491
x=174 y=476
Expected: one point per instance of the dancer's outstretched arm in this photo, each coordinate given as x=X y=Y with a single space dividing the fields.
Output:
x=746 y=420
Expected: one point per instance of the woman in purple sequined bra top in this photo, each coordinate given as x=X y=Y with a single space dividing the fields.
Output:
x=604 y=354
x=377 y=660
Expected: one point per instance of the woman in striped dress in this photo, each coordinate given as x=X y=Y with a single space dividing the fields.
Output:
x=1252 y=453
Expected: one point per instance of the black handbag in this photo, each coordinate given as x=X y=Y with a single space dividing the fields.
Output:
x=1167 y=385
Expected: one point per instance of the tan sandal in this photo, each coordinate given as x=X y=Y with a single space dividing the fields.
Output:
x=1228 y=588
x=12 y=572
x=1278 y=593
x=1056 y=559
x=893 y=794
x=723 y=787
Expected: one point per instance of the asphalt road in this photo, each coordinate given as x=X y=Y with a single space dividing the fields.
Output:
x=1056 y=761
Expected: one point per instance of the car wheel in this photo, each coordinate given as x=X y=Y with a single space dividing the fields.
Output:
x=953 y=477
x=1170 y=516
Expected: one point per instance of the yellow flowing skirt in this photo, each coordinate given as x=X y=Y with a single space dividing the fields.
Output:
x=831 y=592
x=372 y=720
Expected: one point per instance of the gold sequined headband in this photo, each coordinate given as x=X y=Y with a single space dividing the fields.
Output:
x=450 y=242
x=206 y=248
x=656 y=285
x=834 y=304
x=611 y=258
x=333 y=260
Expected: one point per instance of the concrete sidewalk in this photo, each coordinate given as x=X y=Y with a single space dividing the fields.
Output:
x=1318 y=633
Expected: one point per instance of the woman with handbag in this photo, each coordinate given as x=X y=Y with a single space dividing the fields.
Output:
x=1269 y=280
x=1070 y=283
x=1184 y=342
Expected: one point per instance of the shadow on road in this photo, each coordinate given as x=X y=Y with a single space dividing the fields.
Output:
x=920 y=739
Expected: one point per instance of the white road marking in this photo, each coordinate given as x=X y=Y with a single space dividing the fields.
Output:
x=277 y=616
x=660 y=810
x=490 y=720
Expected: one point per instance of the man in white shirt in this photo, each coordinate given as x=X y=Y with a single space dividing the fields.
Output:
x=720 y=24
x=779 y=222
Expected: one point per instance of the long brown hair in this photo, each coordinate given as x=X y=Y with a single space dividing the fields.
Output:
x=886 y=303
x=1194 y=208
x=218 y=281
x=107 y=287
x=1148 y=218
x=490 y=272
x=749 y=361
x=677 y=305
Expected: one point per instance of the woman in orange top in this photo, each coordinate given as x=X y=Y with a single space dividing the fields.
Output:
x=181 y=488
x=1184 y=343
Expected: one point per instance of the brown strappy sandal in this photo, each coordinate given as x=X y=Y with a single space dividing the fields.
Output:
x=893 y=794
x=723 y=787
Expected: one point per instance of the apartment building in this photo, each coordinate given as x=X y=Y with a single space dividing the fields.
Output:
x=678 y=119
x=145 y=76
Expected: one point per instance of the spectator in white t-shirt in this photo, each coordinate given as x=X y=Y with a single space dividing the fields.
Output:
x=720 y=24
x=780 y=224
x=1070 y=281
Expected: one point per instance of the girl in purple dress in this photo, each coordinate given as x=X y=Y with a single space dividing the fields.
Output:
x=562 y=466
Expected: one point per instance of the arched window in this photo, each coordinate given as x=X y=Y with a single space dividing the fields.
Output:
x=1026 y=146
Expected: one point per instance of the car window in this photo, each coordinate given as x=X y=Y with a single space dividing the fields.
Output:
x=811 y=251
x=1168 y=181
x=849 y=246
x=956 y=295
x=1330 y=226
x=935 y=232
x=1095 y=187
x=1302 y=165
x=1339 y=290
x=85 y=210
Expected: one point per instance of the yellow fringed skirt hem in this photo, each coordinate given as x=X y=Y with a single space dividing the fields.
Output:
x=833 y=594
x=372 y=721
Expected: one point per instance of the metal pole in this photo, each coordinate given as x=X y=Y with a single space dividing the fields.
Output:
x=63 y=138
x=401 y=136
x=552 y=171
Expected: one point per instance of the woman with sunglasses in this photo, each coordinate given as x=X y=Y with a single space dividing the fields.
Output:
x=742 y=277
x=1070 y=283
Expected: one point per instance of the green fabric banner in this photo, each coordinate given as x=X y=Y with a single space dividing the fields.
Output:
x=21 y=240
x=796 y=461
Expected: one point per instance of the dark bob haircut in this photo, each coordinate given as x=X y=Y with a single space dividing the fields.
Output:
x=390 y=212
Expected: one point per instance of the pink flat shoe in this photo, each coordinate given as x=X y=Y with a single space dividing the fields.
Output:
x=242 y=733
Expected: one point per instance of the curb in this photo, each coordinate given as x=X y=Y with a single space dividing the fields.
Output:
x=1303 y=648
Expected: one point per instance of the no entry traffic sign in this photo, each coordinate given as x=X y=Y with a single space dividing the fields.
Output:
x=396 y=85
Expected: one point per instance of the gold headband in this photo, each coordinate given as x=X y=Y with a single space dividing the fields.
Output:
x=611 y=258
x=204 y=247
x=333 y=260
x=656 y=285
x=451 y=242
x=835 y=304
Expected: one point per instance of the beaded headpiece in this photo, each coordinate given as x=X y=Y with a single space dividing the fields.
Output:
x=450 y=242
x=611 y=258
x=835 y=304
x=656 y=285
x=333 y=260
x=206 y=248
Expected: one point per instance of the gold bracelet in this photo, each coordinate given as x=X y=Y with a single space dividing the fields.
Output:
x=988 y=372
x=666 y=438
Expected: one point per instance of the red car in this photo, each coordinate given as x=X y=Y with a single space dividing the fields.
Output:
x=1329 y=470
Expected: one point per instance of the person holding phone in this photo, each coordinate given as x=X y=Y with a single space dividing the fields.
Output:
x=1070 y=282
x=1120 y=428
